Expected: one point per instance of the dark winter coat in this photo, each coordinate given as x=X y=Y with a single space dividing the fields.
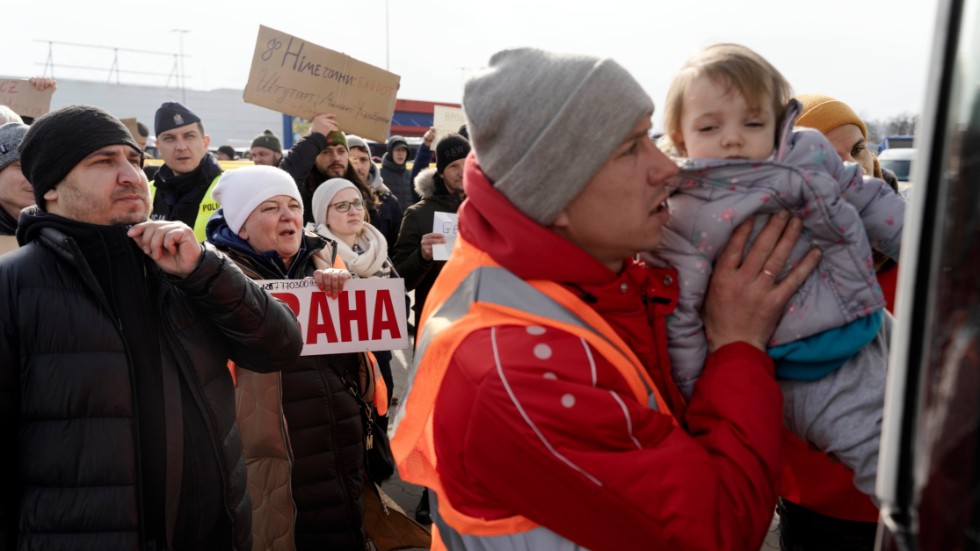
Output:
x=398 y=179
x=388 y=219
x=419 y=273
x=68 y=409
x=178 y=197
x=323 y=419
x=8 y=224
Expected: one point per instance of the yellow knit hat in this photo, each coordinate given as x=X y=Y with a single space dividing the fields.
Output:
x=825 y=113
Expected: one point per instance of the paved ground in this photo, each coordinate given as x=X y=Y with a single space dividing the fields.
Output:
x=407 y=495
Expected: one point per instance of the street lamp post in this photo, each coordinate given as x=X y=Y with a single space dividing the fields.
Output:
x=183 y=88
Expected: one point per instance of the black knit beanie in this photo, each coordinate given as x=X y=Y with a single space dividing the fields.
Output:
x=452 y=147
x=60 y=140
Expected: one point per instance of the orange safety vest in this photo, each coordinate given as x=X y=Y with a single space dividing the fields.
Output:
x=472 y=293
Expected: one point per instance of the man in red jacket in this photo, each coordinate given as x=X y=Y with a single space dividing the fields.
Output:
x=542 y=414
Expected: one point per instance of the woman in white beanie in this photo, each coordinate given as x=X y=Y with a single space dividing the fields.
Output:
x=302 y=432
x=341 y=216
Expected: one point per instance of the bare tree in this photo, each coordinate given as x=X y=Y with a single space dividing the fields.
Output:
x=898 y=125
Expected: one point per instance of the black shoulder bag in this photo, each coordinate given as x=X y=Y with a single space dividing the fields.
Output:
x=378 y=458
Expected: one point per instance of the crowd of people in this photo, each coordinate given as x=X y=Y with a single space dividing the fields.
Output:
x=655 y=344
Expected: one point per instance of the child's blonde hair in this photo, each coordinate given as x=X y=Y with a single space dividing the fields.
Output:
x=732 y=65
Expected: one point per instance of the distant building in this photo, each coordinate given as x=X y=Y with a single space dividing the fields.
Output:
x=413 y=117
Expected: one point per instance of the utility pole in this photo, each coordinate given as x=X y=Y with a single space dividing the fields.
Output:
x=387 y=39
x=180 y=79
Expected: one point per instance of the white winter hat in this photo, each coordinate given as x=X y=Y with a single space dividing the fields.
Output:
x=240 y=190
x=324 y=194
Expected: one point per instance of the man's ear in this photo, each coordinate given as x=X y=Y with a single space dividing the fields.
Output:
x=243 y=234
x=561 y=221
x=207 y=141
x=51 y=195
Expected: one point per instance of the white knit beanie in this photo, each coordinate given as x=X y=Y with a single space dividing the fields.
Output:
x=324 y=194
x=240 y=190
x=529 y=114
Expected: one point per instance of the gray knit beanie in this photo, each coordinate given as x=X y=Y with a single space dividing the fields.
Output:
x=11 y=134
x=267 y=140
x=528 y=114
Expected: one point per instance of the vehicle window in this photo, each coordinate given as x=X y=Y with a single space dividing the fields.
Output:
x=944 y=317
x=899 y=167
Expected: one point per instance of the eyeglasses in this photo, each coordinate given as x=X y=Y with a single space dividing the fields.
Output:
x=344 y=206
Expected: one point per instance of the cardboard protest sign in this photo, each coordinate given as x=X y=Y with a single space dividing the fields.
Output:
x=369 y=314
x=446 y=223
x=130 y=125
x=24 y=99
x=447 y=120
x=299 y=78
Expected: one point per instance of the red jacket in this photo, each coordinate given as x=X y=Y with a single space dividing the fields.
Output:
x=537 y=425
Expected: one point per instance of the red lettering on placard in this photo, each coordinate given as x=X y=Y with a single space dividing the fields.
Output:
x=290 y=299
x=384 y=316
x=319 y=311
x=356 y=314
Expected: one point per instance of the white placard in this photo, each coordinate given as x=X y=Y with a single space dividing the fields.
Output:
x=369 y=314
x=446 y=223
x=447 y=120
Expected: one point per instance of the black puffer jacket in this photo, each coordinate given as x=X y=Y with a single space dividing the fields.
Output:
x=67 y=407
x=324 y=419
x=8 y=224
x=419 y=273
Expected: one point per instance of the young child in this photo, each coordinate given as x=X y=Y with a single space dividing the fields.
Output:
x=729 y=113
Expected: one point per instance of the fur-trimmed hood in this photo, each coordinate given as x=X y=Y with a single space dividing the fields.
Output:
x=429 y=184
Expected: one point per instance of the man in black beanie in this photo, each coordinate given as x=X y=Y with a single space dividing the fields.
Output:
x=181 y=189
x=114 y=390
x=319 y=156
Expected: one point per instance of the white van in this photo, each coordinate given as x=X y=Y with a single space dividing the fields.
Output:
x=899 y=161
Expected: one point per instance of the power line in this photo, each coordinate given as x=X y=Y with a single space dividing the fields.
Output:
x=100 y=47
x=177 y=70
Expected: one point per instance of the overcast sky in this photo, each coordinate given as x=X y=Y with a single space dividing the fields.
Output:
x=872 y=54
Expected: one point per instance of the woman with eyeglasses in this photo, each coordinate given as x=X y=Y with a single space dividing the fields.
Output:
x=340 y=215
x=302 y=430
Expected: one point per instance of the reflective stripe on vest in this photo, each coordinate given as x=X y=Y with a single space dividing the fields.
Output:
x=207 y=207
x=536 y=538
x=474 y=293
